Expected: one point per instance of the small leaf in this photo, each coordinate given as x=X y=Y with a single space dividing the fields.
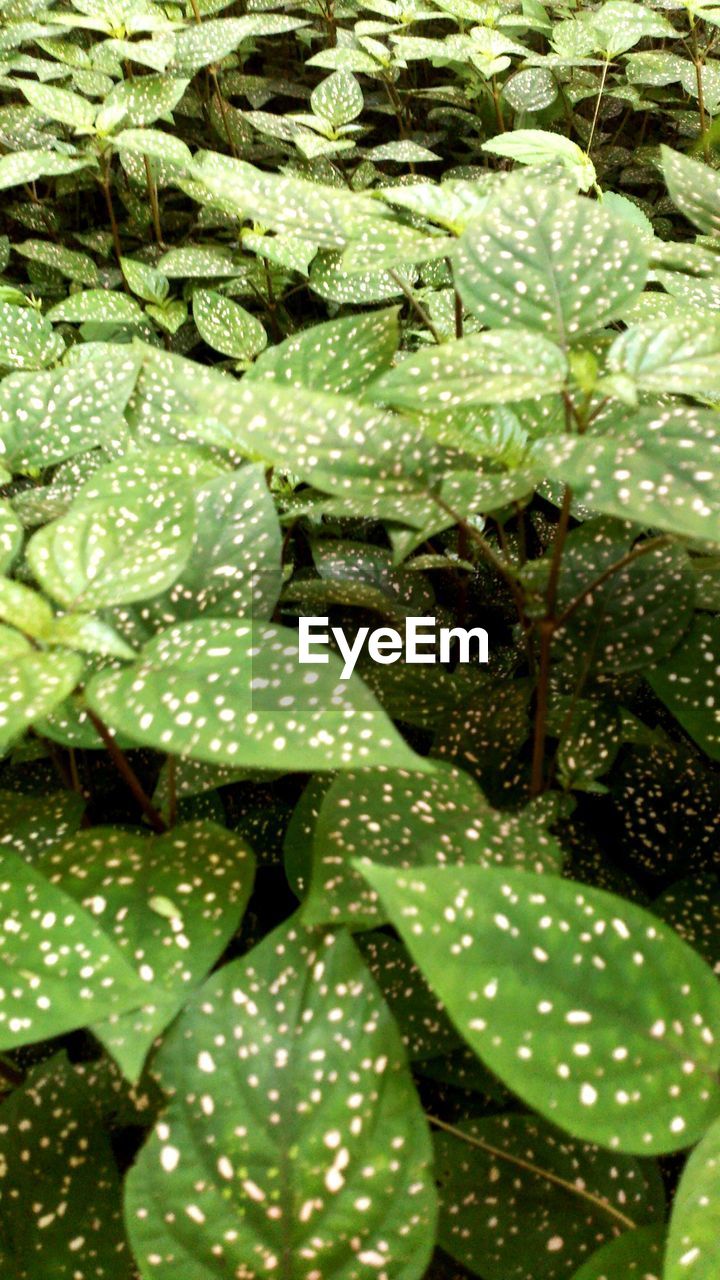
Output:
x=28 y=828
x=538 y=146
x=31 y=684
x=338 y=99
x=586 y=1006
x=96 y=304
x=340 y=1169
x=227 y=326
x=677 y=358
x=687 y=683
x=27 y=339
x=26 y=166
x=59 y=104
x=140 y=101
x=11 y=536
x=636 y=1254
x=339 y=356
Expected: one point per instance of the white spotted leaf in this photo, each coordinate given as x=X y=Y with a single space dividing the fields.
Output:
x=27 y=339
x=11 y=535
x=339 y=356
x=585 y=1005
x=28 y=828
x=693 y=1247
x=59 y=968
x=679 y=358
x=337 y=1178
x=519 y=1198
x=687 y=682
x=97 y=304
x=234 y=693
x=486 y=368
x=543 y=259
x=25 y=166
x=339 y=99
x=410 y=820
x=32 y=683
x=636 y=1254
x=204 y=872
x=226 y=326
x=694 y=188
x=51 y=1138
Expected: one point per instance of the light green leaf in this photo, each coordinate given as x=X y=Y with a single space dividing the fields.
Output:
x=11 y=535
x=203 y=43
x=338 y=1179
x=59 y=969
x=339 y=356
x=518 y=1198
x=24 y=608
x=115 y=547
x=531 y=89
x=586 y=1006
x=164 y=147
x=681 y=358
x=410 y=820
x=226 y=326
x=655 y=467
x=28 y=828
x=70 y=263
x=97 y=304
x=694 y=188
x=339 y=99
x=63 y=1145
x=544 y=259
x=140 y=101
x=27 y=339
x=198 y=261
x=402 y=152
x=687 y=682
x=246 y=716
x=31 y=684
x=486 y=368
x=145 y=281
x=25 y=166
x=693 y=1247
x=538 y=146
x=59 y=104
x=284 y=251
x=636 y=1254
x=205 y=872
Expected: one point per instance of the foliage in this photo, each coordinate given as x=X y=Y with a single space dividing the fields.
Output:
x=366 y=310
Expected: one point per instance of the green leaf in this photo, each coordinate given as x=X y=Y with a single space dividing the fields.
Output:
x=109 y=549
x=655 y=466
x=227 y=326
x=96 y=304
x=203 y=871
x=11 y=536
x=24 y=608
x=31 y=684
x=537 y=146
x=28 y=827
x=687 y=683
x=678 y=358
x=409 y=820
x=636 y=1254
x=531 y=89
x=140 y=101
x=338 y=1178
x=164 y=147
x=544 y=259
x=59 y=969
x=63 y=1146
x=486 y=368
x=198 y=261
x=27 y=339
x=59 y=104
x=693 y=1247
x=339 y=99
x=423 y=1025
x=518 y=1198
x=694 y=188
x=203 y=43
x=146 y=281
x=25 y=166
x=339 y=356
x=70 y=263
x=402 y=152
x=246 y=716
x=586 y=1006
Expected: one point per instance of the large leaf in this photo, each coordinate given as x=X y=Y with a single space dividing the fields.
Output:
x=336 y=1179
x=541 y=258
x=693 y=1247
x=171 y=904
x=518 y=1198
x=656 y=467
x=680 y=358
x=59 y=104
x=140 y=101
x=695 y=189
x=585 y=1005
x=212 y=41
x=27 y=339
x=61 y=1190
x=486 y=368
x=410 y=820
x=59 y=969
x=687 y=682
x=235 y=693
x=25 y=166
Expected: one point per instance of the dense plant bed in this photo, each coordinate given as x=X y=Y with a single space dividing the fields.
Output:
x=317 y=961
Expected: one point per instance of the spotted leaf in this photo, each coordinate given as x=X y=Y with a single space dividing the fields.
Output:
x=694 y=188
x=585 y=1005
x=339 y=99
x=518 y=1198
x=59 y=968
x=636 y=1254
x=27 y=339
x=338 y=1177
x=11 y=535
x=28 y=828
x=486 y=368
x=226 y=326
x=203 y=873
x=687 y=682
x=543 y=259
x=31 y=683
x=678 y=358
x=409 y=820
x=220 y=691
x=339 y=356
x=693 y=1247
x=61 y=1190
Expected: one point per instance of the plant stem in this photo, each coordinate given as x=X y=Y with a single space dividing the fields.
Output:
x=641 y=549
x=416 y=304
x=127 y=773
x=597 y=104
x=154 y=205
x=546 y=628
x=571 y=1187
x=698 y=64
